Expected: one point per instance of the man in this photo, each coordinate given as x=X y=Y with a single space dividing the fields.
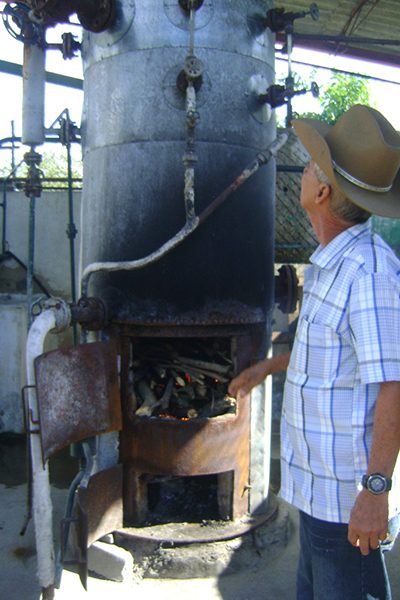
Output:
x=340 y=429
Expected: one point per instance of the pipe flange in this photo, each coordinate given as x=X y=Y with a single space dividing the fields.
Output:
x=90 y=313
x=190 y=4
x=102 y=19
x=180 y=15
x=287 y=289
x=62 y=313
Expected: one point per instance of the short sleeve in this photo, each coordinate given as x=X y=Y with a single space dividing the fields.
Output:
x=374 y=319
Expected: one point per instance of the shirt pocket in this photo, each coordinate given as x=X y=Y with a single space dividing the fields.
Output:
x=317 y=352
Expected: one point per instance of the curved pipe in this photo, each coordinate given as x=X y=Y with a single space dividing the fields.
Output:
x=42 y=506
x=261 y=159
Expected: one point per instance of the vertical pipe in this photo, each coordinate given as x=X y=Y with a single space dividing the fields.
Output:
x=192 y=19
x=71 y=232
x=4 y=224
x=4 y=244
x=42 y=506
x=190 y=158
x=31 y=255
x=13 y=145
x=34 y=75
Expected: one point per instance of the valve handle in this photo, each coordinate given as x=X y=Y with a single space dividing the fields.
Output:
x=193 y=68
x=314 y=12
x=278 y=20
x=314 y=89
x=18 y=24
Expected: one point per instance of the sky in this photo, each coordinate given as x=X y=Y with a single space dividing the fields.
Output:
x=384 y=94
x=57 y=98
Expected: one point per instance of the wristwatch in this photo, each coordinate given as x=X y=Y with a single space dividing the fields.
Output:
x=376 y=483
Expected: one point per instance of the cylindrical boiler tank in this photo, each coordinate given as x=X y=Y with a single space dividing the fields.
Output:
x=133 y=142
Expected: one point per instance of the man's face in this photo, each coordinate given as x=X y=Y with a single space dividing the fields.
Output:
x=309 y=187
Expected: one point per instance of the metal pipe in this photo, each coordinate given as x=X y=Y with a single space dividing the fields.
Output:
x=261 y=159
x=71 y=230
x=65 y=525
x=140 y=263
x=4 y=207
x=33 y=95
x=4 y=224
x=55 y=318
x=13 y=145
x=42 y=507
x=192 y=19
x=190 y=158
x=31 y=256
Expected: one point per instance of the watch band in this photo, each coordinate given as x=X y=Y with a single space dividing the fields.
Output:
x=376 y=483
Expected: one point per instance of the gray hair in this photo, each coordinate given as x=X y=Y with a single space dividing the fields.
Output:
x=340 y=205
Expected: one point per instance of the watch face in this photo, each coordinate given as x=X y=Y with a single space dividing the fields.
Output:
x=376 y=484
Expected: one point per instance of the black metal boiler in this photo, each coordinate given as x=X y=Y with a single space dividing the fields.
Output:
x=170 y=120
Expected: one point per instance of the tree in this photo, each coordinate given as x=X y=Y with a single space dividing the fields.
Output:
x=53 y=165
x=341 y=93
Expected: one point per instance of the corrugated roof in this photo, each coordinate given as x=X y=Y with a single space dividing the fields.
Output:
x=370 y=20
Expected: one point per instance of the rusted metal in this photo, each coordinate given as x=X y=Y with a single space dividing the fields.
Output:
x=204 y=446
x=182 y=328
x=103 y=503
x=262 y=158
x=189 y=4
x=78 y=394
x=287 y=289
x=91 y=313
x=195 y=447
x=82 y=534
x=199 y=533
x=98 y=512
x=94 y=15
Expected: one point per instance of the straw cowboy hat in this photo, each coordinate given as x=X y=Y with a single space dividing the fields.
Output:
x=360 y=154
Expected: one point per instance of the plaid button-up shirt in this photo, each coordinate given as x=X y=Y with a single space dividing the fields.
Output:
x=347 y=342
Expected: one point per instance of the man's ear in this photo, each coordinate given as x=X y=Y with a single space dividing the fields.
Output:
x=323 y=192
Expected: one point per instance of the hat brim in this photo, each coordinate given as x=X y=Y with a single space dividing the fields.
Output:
x=312 y=135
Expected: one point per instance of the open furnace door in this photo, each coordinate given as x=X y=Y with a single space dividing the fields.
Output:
x=78 y=397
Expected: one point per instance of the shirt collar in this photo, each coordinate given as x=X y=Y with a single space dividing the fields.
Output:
x=327 y=257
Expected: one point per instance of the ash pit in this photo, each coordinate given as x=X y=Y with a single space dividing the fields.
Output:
x=183 y=499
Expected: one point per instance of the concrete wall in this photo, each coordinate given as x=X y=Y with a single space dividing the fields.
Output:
x=51 y=267
x=52 y=255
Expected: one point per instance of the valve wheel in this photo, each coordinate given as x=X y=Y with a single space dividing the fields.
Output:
x=18 y=24
x=314 y=12
x=193 y=68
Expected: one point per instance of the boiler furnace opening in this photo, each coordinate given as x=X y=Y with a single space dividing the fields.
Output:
x=180 y=379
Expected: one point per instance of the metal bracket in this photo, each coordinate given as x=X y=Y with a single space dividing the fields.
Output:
x=27 y=412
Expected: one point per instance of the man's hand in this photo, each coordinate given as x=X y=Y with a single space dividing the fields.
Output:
x=249 y=378
x=368 y=521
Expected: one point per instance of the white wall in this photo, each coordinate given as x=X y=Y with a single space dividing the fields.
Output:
x=51 y=267
x=52 y=252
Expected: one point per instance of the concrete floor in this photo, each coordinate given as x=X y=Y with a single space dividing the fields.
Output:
x=271 y=579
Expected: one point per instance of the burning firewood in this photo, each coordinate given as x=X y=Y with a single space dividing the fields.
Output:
x=150 y=400
x=185 y=380
x=221 y=406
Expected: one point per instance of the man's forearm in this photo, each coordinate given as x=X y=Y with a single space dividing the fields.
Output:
x=369 y=517
x=256 y=374
x=386 y=430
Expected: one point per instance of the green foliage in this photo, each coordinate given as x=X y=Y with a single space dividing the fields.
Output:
x=54 y=165
x=341 y=93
